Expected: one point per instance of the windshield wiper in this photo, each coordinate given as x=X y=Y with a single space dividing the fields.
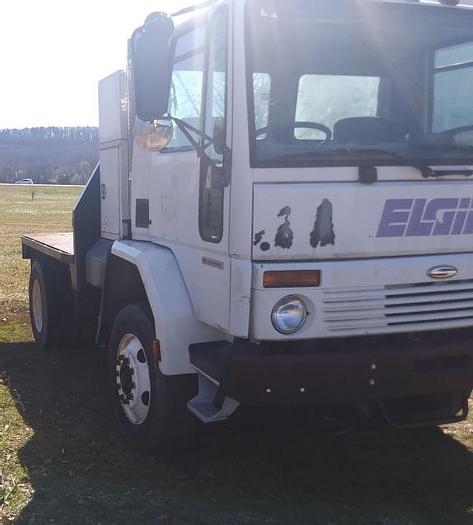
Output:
x=422 y=166
x=371 y=152
x=368 y=171
x=430 y=173
x=321 y=154
x=431 y=146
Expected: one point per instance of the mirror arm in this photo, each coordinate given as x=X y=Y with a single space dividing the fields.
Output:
x=200 y=148
x=186 y=129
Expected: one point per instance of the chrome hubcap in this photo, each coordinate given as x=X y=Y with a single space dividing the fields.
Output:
x=37 y=303
x=133 y=381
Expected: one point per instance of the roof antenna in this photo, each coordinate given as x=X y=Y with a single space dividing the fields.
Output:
x=192 y=8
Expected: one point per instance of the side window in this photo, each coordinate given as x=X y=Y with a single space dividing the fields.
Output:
x=452 y=93
x=215 y=125
x=185 y=100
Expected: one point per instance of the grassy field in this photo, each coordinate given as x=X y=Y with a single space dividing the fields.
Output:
x=62 y=460
x=24 y=209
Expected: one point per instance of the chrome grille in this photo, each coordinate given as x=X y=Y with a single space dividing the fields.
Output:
x=399 y=308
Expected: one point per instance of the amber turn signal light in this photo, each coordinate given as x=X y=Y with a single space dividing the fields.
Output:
x=156 y=347
x=292 y=279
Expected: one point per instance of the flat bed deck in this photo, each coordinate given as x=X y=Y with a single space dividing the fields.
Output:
x=59 y=246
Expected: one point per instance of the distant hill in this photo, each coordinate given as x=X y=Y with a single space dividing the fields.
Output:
x=48 y=155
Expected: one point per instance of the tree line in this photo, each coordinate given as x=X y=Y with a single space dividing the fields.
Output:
x=53 y=155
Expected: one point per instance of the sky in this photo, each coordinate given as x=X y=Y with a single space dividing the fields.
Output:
x=54 y=52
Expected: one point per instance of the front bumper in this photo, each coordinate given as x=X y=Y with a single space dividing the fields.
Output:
x=357 y=372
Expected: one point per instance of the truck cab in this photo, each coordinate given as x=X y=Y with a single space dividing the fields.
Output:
x=282 y=216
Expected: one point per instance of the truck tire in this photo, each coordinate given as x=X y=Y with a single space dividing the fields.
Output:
x=151 y=408
x=46 y=311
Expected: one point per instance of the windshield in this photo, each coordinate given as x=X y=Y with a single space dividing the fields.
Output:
x=333 y=82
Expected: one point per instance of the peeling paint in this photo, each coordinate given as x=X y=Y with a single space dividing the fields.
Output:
x=284 y=236
x=285 y=212
x=259 y=237
x=323 y=232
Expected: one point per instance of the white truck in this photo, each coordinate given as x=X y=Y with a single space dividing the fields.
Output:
x=282 y=215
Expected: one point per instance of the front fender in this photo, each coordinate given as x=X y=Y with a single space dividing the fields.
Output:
x=176 y=326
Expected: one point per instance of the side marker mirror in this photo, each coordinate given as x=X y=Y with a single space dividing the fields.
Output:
x=154 y=136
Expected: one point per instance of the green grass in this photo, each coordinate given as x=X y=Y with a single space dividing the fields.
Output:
x=27 y=209
x=22 y=210
x=62 y=460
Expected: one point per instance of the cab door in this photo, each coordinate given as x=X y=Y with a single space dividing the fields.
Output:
x=189 y=189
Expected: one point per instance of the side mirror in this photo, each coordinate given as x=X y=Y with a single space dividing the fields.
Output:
x=151 y=66
x=219 y=136
x=154 y=136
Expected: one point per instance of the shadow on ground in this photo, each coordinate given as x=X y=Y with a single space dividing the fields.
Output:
x=247 y=471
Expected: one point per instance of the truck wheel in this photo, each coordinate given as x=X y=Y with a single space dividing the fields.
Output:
x=44 y=311
x=151 y=408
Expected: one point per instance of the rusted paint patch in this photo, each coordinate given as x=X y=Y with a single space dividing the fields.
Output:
x=284 y=236
x=323 y=232
x=259 y=237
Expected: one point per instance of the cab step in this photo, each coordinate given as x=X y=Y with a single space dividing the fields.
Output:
x=211 y=405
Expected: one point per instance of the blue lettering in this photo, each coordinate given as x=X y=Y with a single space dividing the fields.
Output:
x=443 y=224
x=424 y=218
x=416 y=227
x=395 y=217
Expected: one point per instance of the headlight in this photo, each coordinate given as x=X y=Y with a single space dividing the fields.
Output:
x=289 y=315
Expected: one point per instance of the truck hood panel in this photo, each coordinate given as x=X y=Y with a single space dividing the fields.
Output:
x=346 y=220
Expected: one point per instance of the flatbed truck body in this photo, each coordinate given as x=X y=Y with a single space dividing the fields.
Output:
x=57 y=246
